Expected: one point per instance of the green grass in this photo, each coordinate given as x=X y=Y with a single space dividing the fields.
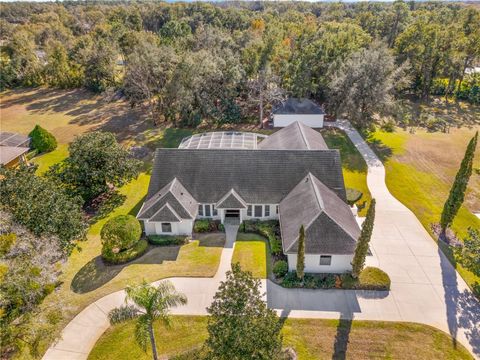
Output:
x=311 y=339
x=45 y=161
x=414 y=178
x=251 y=251
x=353 y=165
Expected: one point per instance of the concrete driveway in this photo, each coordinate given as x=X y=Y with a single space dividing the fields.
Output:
x=425 y=287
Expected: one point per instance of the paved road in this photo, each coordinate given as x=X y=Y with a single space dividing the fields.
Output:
x=425 y=287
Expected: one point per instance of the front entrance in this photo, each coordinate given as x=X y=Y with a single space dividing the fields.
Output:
x=232 y=216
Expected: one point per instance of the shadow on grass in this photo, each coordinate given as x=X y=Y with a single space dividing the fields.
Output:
x=342 y=337
x=97 y=273
x=172 y=137
x=351 y=159
x=383 y=151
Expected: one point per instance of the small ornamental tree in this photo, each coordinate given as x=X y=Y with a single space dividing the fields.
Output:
x=240 y=325
x=471 y=251
x=120 y=233
x=96 y=161
x=301 y=254
x=362 y=244
x=42 y=140
x=457 y=192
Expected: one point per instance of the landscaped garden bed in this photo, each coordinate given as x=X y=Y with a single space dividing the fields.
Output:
x=269 y=229
x=207 y=225
x=167 y=240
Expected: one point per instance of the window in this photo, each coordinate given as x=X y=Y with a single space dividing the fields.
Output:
x=207 y=210
x=249 y=210
x=267 y=210
x=214 y=211
x=166 y=227
x=200 y=210
x=258 y=210
x=325 y=259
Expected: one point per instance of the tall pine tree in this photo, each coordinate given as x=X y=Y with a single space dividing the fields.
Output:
x=362 y=245
x=457 y=192
x=301 y=254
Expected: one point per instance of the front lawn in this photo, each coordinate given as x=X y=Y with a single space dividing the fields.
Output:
x=420 y=169
x=311 y=338
x=252 y=252
x=353 y=165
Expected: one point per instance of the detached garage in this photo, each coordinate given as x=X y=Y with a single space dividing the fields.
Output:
x=303 y=110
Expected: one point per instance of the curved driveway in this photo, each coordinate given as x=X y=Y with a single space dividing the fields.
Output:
x=425 y=287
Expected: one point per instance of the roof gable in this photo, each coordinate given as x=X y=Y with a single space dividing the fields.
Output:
x=231 y=201
x=296 y=136
x=330 y=226
x=166 y=213
x=174 y=194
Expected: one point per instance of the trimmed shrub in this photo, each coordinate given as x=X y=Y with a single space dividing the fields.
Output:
x=207 y=225
x=280 y=268
x=126 y=255
x=353 y=195
x=372 y=278
x=119 y=234
x=42 y=140
x=166 y=240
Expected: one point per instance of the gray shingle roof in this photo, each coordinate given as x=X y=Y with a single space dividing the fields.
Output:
x=296 y=136
x=330 y=227
x=231 y=201
x=14 y=139
x=166 y=213
x=174 y=194
x=265 y=176
x=298 y=106
x=10 y=153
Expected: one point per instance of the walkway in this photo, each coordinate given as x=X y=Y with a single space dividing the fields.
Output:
x=425 y=287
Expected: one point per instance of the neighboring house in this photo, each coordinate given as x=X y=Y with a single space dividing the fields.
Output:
x=292 y=176
x=302 y=110
x=13 y=148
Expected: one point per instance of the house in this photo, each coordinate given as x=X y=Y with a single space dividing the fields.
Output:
x=13 y=149
x=302 y=110
x=290 y=176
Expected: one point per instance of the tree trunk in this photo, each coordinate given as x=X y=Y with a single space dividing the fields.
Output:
x=261 y=109
x=152 y=342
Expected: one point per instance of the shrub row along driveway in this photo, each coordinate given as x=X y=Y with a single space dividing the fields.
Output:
x=425 y=287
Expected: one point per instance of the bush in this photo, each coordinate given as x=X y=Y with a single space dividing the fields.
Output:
x=353 y=195
x=207 y=225
x=119 y=234
x=127 y=255
x=310 y=281
x=280 y=268
x=42 y=140
x=372 y=278
x=166 y=240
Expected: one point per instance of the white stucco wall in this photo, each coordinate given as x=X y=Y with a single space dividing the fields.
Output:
x=312 y=120
x=178 y=228
x=340 y=264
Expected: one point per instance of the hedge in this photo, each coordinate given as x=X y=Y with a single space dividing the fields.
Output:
x=207 y=225
x=127 y=255
x=42 y=140
x=280 y=269
x=372 y=278
x=166 y=240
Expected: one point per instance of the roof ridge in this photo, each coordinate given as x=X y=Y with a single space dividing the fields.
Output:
x=303 y=134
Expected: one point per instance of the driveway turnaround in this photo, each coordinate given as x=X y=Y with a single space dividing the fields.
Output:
x=425 y=287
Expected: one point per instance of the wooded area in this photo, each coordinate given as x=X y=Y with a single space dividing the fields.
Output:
x=227 y=62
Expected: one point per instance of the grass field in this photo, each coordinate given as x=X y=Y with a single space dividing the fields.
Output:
x=420 y=169
x=252 y=252
x=311 y=338
x=353 y=165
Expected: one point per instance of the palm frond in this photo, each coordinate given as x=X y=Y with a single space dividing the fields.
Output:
x=142 y=334
x=123 y=313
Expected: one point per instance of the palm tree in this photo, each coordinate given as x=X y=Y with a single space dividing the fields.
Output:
x=147 y=304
